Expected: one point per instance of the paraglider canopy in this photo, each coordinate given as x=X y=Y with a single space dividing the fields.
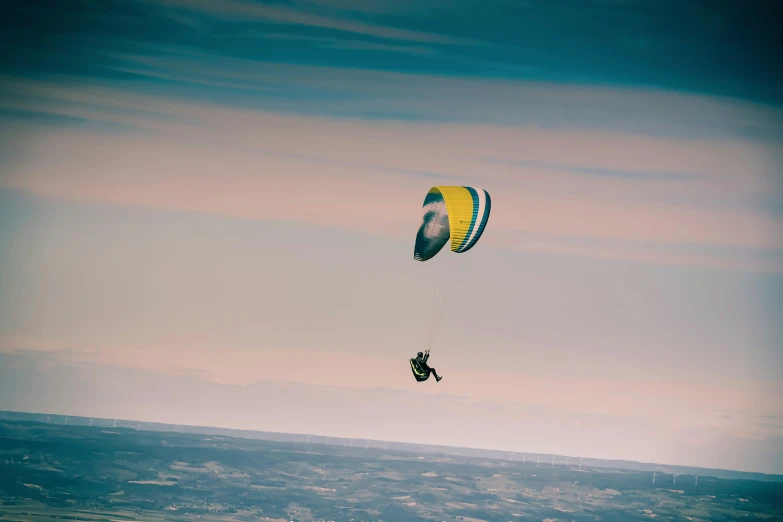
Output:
x=459 y=213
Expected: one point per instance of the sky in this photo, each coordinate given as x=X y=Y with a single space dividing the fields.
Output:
x=208 y=211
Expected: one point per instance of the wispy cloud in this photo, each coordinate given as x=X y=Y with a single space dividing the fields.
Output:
x=614 y=45
x=341 y=43
x=628 y=174
x=677 y=197
x=353 y=92
x=243 y=10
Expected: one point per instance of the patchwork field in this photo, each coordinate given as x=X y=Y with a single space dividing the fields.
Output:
x=54 y=472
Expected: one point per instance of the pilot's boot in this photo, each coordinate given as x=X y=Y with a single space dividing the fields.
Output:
x=438 y=378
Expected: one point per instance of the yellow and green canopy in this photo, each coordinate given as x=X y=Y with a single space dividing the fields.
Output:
x=458 y=213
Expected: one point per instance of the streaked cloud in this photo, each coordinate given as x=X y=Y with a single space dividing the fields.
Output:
x=351 y=92
x=707 y=195
x=244 y=10
x=639 y=174
x=600 y=43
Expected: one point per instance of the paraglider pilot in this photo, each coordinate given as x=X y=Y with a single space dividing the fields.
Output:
x=421 y=369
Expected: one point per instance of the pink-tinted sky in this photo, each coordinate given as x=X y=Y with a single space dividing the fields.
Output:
x=205 y=217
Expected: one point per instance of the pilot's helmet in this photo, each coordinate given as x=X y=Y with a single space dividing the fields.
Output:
x=420 y=354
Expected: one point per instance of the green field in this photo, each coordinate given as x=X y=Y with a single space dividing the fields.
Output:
x=55 y=472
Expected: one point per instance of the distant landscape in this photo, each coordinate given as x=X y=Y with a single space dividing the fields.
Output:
x=127 y=470
x=571 y=460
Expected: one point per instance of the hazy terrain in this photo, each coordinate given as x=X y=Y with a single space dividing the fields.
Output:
x=80 y=472
x=570 y=460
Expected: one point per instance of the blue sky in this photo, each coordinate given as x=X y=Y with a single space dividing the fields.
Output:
x=700 y=46
x=217 y=189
